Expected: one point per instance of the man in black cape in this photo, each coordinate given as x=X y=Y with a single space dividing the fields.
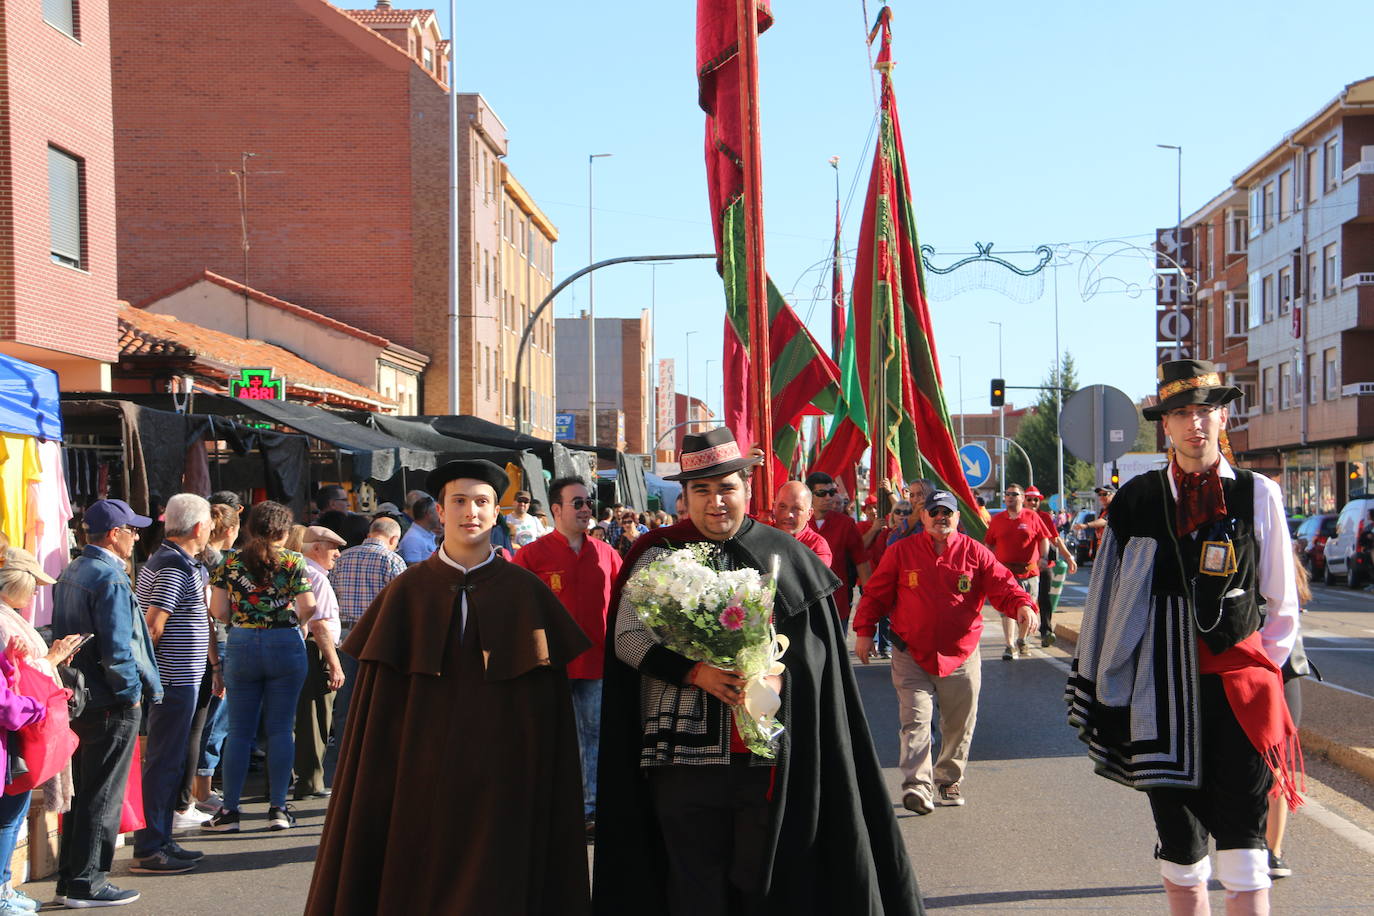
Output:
x=815 y=832
x=458 y=789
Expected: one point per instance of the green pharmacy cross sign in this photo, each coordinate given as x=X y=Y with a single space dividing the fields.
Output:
x=257 y=385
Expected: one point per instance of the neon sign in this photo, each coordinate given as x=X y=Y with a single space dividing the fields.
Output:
x=257 y=385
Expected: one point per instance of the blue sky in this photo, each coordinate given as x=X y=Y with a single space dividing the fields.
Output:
x=1025 y=124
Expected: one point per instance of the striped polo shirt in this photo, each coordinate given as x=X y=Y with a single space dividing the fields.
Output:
x=174 y=581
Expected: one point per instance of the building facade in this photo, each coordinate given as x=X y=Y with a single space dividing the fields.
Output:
x=525 y=276
x=623 y=372
x=1310 y=325
x=58 y=290
x=305 y=152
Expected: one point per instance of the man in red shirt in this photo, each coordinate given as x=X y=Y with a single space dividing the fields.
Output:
x=791 y=513
x=933 y=585
x=580 y=571
x=1019 y=539
x=1048 y=595
x=848 y=558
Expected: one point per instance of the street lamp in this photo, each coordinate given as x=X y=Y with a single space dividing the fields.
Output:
x=655 y=432
x=1001 y=412
x=1178 y=242
x=591 y=303
x=688 y=380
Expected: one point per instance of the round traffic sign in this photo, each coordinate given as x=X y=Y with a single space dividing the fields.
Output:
x=976 y=464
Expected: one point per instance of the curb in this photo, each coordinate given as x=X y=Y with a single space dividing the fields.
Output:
x=1336 y=724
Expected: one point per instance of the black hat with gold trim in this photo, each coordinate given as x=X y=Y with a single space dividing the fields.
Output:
x=713 y=453
x=1189 y=381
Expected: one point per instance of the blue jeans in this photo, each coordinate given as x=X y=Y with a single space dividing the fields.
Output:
x=164 y=765
x=263 y=677
x=100 y=772
x=13 y=809
x=586 y=697
x=342 y=698
x=216 y=726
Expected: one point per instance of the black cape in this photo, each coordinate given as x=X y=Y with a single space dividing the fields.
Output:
x=458 y=788
x=835 y=846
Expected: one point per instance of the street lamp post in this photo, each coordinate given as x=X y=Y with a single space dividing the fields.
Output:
x=591 y=303
x=687 y=381
x=1001 y=411
x=1178 y=242
x=653 y=360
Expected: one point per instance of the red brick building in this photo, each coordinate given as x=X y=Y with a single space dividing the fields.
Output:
x=57 y=191
x=347 y=183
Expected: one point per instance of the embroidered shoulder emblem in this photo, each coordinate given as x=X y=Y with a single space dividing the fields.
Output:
x=965 y=583
x=912 y=578
x=556 y=582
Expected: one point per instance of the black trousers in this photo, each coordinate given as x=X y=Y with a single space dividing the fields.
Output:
x=1231 y=806
x=715 y=828
x=100 y=772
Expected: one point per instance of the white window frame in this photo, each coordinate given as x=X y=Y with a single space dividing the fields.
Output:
x=1332 y=153
x=1237 y=313
x=1254 y=317
x=1286 y=199
x=1314 y=175
x=1267 y=299
x=1331 y=281
x=1256 y=211
x=1270 y=204
x=1267 y=377
x=1331 y=378
x=1285 y=289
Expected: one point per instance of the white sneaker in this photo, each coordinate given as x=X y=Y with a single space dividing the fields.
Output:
x=190 y=819
x=211 y=805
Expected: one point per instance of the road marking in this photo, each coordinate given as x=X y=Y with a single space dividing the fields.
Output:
x=1346 y=689
x=1338 y=825
x=1340 y=648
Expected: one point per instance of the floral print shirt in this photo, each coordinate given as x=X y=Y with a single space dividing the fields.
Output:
x=262 y=604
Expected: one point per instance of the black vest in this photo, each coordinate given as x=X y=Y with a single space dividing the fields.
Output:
x=1226 y=608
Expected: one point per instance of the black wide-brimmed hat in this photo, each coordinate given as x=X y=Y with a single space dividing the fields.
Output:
x=713 y=453
x=1189 y=381
x=475 y=469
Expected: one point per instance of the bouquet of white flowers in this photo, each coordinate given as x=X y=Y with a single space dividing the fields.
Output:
x=723 y=618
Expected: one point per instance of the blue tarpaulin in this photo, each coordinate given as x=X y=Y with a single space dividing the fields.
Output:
x=29 y=403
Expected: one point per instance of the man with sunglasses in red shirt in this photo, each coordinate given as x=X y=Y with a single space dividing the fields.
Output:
x=932 y=586
x=580 y=571
x=848 y=558
x=1048 y=595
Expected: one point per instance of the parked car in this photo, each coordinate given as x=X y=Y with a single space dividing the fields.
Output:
x=1311 y=538
x=1346 y=553
x=1080 y=541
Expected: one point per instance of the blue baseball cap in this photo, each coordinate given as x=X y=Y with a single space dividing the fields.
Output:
x=942 y=499
x=109 y=514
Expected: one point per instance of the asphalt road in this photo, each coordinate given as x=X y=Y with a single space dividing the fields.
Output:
x=1040 y=831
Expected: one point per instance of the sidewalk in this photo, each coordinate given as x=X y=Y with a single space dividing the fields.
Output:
x=1336 y=724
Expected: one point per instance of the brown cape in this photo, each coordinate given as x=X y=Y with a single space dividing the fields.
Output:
x=458 y=787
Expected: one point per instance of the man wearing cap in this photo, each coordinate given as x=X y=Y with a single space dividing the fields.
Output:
x=688 y=820
x=848 y=559
x=315 y=706
x=523 y=525
x=933 y=585
x=1019 y=539
x=792 y=513
x=1098 y=525
x=171 y=593
x=94 y=595
x=580 y=571
x=1192 y=611
x=1047 y=594
x=461 y=741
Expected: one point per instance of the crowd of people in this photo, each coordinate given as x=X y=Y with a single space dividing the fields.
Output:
x=332 y=649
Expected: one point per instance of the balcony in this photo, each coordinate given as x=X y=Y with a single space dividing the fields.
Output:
x=1362 y=173
x=1363 y=284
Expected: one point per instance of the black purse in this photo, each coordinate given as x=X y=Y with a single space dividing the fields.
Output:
x=75 y=681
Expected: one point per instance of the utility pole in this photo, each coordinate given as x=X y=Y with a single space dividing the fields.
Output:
x=591 y=303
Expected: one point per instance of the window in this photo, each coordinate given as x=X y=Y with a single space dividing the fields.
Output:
x=1330 y=376
x=1254 y=317
x=1269 y=205
x=1285 y=289
x=1236 y=241
x=429 y=59
x=1314 y=377
x=1314 y=175
x=1285 y=385
x=67 y=207
x=1237 y=314
x=1285 y=194
x=1267 y=299
x=1268 y=390
x=1333 y=163
x=1202 y=250
x=62 y=15
x=1329 y=280
x=1314 y=275
x=1256 y=212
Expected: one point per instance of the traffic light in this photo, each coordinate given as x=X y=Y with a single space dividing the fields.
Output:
x=1116 y=476
x=999 y=392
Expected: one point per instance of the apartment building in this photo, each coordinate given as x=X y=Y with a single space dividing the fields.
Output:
x=623 y=373
x=58 y=298
x=1310 y=290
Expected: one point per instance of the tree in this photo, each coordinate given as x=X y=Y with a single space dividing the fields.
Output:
x=1037 y=436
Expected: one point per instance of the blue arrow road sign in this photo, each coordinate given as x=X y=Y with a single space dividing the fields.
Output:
x=976 y=464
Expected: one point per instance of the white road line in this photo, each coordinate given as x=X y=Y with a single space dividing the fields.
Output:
x=1346 y=689
x=1338 y=825
x=1340 y=648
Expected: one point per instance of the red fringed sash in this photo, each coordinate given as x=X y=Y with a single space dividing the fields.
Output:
x=1254 y=688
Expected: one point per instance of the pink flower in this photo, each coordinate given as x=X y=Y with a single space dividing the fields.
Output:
x=732 y=618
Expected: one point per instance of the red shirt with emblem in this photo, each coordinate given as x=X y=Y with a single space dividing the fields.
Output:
x=1016 y=541
x=582 y=580
x=936 y=603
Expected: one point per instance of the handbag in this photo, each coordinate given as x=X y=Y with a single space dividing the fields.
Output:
x=75 y=681
x=47 y=745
